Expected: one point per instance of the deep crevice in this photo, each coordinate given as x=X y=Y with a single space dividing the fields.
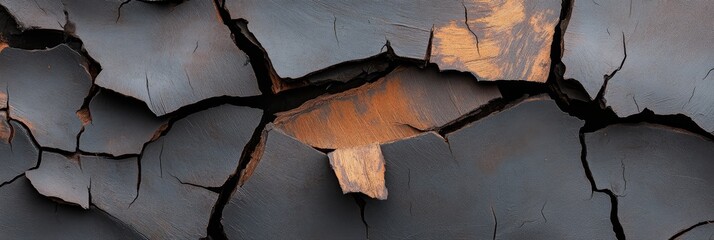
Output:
x=600 y=98
x=215 y=227
x=362 y=204
x=12 y=180
x=256 y=57
x=616 y=225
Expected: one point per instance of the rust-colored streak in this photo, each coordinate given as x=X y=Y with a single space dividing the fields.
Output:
x=84 y=116
x=5 y=129
x=402 y=104
x=3 y=100
x=360 y=169
x=514 y=39
x=16 y=114
x=255 y=156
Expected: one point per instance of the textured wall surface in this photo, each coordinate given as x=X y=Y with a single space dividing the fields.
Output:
x=394 y=119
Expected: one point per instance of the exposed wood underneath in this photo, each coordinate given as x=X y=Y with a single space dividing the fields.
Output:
x=401 y=104
x=360 y=169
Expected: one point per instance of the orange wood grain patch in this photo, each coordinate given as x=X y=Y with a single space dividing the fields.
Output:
x=502 y=40
x=85 y=116
x=360 y=169
x=402 y=104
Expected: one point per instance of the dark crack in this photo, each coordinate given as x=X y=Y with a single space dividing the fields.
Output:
x=600 y=97
x=710 y=71
x=188 y=79
x=11 y=180
x=362 y=205
x=680 y=233
x=492 y=107
x=427 y=55
x=636 y=105
x=84 y=113
x=690 y=96
x=616 y=225
x=138 y=181
x=119 y=10
x=495 y=223
x=466 y=22
x=624 y=180
x=334 y=29
x=215 y=227
x=148 y=92
x=212 y=189
x=541 y=211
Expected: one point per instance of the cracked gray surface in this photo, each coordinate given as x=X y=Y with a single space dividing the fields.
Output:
x=660 y=175
x=292 y=193
x=479 y=186
x=36 y=14
x=184 y=55
x=18 y=152
x=669 y=55
x=120 y=125
x=36 y=217
x=83 y=154
x=44 y=90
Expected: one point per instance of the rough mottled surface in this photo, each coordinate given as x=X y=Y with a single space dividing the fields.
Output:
x=480 y=186
x=203 y=148
x=17 y=153
x=44 y=90
x=120 y=125
x=661 y=176
x=166 y=55
x=108 y=183
x=165 y=208
x=476 y=36
x=25 y=214
x=36 y=14
x=652 y=34
x=170 y=202
x=360 y=169
x=61 y=178
x=401 y=104
x=292 y=193
x=112 y=182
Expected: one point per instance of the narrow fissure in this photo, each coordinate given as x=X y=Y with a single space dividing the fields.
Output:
x=600 y=98
x=616 y=226
x=680 y=233
x=359 y=200
x=215 y=227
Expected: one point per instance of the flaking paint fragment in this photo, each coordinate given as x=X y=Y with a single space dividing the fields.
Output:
x=360 y=169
